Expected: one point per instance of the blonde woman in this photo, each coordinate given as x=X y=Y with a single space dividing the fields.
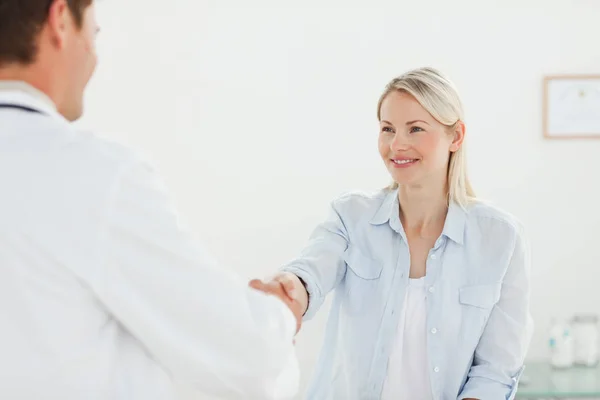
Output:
x=431 y=285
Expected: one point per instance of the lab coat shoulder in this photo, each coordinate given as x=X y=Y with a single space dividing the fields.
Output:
x=58 y=184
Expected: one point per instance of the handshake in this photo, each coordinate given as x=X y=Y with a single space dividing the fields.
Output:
x=290 y=289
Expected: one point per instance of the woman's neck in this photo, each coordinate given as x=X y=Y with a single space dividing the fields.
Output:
x=423 y=210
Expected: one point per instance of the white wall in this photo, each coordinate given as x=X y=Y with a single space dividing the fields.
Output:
x=259 y=114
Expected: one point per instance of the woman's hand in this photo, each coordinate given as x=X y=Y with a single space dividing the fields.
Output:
x=289 y=288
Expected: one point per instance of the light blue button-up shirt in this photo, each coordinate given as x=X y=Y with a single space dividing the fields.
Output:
x=478 y=281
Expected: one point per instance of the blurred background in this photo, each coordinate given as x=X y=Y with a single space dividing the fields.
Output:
x=259 y=113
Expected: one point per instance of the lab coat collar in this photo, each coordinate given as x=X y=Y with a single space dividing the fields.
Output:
x=23 y=94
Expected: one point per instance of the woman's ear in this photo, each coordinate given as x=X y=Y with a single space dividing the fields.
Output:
x=458 y=136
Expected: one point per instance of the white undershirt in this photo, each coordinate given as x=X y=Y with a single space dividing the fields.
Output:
x=408 y=372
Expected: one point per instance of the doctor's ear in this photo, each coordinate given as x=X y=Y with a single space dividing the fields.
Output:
x=59 y=19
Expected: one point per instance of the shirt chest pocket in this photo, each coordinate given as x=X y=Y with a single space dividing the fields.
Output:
x=362 y=282
x=477 y=302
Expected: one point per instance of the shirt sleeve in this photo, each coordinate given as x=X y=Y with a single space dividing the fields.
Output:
x=321 y=264
x=500 y=354
x=201 y=323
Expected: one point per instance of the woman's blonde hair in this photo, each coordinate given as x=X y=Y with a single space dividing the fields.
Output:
x=438 y=95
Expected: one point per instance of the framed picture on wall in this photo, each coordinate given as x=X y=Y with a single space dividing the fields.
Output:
x=571 y=107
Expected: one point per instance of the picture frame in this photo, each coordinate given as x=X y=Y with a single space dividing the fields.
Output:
x=571 y=107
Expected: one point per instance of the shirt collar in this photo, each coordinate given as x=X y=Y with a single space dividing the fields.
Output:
x=389 y=211
x=24 y=94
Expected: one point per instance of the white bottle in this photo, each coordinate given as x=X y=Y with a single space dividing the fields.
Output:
x=585 y=338
x=561 y=345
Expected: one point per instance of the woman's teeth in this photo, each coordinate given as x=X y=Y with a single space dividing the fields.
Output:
x=403 y=161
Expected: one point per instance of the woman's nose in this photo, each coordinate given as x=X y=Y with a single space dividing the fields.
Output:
x=399 y=142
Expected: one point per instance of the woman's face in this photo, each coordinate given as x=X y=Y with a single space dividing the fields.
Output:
x=413 y=145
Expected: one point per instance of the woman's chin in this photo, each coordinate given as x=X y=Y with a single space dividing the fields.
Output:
x=404 y=179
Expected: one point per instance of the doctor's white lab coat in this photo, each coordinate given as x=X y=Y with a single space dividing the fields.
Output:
x=103 y=295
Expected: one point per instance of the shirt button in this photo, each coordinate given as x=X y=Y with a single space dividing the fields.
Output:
x=431 y=289
x=433 y=257
x=436 y=369
x=434 y=331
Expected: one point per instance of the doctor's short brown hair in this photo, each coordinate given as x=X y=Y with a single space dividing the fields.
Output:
x=21 y=21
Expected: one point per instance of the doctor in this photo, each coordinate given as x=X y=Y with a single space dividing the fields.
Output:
x=103 y=293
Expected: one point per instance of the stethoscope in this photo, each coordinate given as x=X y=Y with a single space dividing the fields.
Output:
x=20 y=107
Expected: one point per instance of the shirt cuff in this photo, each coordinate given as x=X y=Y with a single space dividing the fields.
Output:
x=315 y=299
x=483 y=388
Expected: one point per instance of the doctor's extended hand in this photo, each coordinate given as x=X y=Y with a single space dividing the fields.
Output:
x=289 y=289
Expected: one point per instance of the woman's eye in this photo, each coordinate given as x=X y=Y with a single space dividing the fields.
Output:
x=415 y=129
x=387 y=129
